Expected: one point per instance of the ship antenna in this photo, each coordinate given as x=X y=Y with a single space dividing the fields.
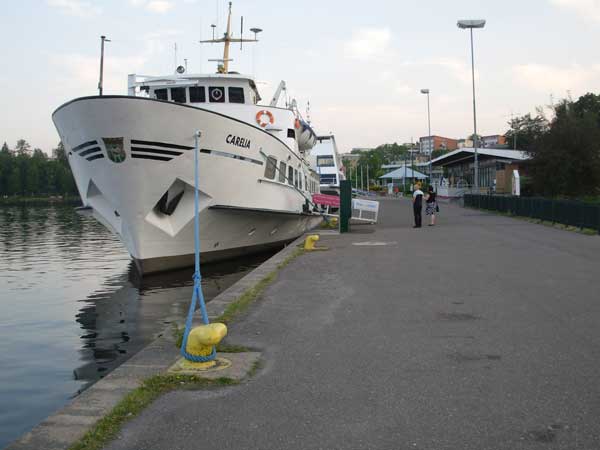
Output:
x=175 y=55
x=227 y=39
x=241 y=32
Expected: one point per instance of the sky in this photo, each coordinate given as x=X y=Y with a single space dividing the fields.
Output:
x=360 y=64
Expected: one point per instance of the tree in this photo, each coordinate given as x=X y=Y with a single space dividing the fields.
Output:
x=23 y=148
x=31 y=172
x=438 y=153
x=566 y=158
x=6 y=167
x=526 y=130
x=59 y=154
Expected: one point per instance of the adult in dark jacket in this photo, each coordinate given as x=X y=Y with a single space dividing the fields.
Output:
x=418 y=206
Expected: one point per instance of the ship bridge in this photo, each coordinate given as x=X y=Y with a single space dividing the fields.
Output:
x=196 y=90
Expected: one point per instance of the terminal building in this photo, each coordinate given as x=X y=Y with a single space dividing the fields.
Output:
x=496 y=170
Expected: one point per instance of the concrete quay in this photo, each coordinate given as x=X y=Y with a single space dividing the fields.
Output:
x=478 y=333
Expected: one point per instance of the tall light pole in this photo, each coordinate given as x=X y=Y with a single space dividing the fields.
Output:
x=102 y=41
x=431 y=144
x=470 y=25
x=362 y=185
x=404 y=179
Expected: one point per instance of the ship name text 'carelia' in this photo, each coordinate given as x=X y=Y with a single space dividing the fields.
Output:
x=133 y=161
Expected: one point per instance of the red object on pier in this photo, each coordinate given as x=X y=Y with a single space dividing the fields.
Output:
x=326 y=200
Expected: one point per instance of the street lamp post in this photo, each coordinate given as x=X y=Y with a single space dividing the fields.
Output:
x=100 y=82
x=404 y=179
x=470 y=25
x=431 y=145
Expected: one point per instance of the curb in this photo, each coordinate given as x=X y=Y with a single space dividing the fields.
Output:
x=67 y=425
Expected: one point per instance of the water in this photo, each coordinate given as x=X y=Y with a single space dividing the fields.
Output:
x=72 y=308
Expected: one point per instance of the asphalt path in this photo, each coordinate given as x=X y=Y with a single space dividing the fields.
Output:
x=479 y=333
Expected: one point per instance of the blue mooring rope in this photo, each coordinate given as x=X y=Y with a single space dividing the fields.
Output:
x=197 y=295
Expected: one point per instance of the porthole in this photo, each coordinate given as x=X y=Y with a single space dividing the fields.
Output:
x=252 y=231
x=273 y=231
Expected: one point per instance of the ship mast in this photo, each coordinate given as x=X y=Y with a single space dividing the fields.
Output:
x=227 y=43
x=227 y=39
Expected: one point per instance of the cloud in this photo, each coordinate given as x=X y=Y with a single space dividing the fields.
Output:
x=556 y=79
x=80 y=73
x=368 y=43
x=456 y=67
x=588 y=9
x=155 y=6
x=159 y=6
x=79 y=8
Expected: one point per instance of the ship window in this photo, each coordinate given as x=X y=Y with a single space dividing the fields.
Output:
x=216 y=94
x=305 y=182
x=161 y=94
x=236 y=95
x=282 y=169
x=325 y=161
x=178 y=95
x=291 y=133
x=290 y=175
x=197 y=94
x=295 y=178
x=270 y=167
x=300 y=180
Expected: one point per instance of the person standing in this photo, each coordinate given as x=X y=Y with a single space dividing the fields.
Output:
x=431 y=205
x=418 y=206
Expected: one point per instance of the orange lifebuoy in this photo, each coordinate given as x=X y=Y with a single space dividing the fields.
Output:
x=260 y=115
x=297 y=124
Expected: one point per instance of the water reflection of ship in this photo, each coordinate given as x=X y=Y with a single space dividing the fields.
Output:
x=128 y=312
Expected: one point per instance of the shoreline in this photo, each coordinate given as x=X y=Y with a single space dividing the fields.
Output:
x=40 y=201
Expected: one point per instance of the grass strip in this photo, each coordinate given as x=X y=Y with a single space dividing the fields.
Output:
x=242 y=303
x=133 y=403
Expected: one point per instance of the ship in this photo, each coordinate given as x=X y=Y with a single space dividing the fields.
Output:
x=132 y=157
x=325 y=158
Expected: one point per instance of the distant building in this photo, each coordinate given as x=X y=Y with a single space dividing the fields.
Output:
x=493 y=141
x=437 y=143
x=465 y=143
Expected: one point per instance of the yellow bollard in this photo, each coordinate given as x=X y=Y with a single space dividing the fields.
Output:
x=201 y=341
x=310 y=241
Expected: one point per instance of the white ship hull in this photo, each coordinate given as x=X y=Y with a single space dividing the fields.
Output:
x=241 y=211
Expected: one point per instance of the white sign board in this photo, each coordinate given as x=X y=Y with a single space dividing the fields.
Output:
x=365 y=210
x=516 y=183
